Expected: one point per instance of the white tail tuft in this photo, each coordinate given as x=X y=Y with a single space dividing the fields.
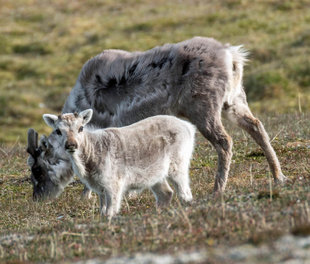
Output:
x=239 y=54
x=238 y=58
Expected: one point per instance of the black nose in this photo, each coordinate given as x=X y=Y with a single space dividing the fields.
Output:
x=70 y=145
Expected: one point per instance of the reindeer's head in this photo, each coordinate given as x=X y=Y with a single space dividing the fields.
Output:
x=69 y=127
x=50 y=166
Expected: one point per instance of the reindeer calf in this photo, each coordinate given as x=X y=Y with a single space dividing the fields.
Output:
x=113 y=160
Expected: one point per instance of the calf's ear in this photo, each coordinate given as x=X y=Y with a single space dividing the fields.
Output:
x=86 y=115
x=50 y=120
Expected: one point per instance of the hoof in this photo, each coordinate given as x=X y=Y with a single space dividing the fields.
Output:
x=282 y=179
x=87 y=194
x=218 y=194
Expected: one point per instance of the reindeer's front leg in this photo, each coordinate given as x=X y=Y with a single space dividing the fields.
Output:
x=86 y=193
x=102 y=206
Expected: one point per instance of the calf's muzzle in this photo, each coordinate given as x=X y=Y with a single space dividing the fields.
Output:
x=71 y=145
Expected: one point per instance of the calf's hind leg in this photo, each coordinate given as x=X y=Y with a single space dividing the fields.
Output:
x=163 y=193
x=178 y=173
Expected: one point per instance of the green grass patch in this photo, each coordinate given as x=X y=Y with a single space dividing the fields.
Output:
x=44 y=46
x=31 y=48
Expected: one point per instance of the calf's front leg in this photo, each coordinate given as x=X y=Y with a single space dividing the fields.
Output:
x=113 y=198
x=86 y=193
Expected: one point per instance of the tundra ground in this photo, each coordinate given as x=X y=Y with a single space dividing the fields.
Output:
x=252 y=210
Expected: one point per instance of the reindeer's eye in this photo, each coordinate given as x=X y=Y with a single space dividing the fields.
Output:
x=80 y=129
x=58 y=132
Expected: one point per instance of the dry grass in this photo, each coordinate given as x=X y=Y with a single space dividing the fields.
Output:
x=70 y=229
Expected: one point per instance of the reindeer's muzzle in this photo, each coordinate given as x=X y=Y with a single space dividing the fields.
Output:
x=71 y=145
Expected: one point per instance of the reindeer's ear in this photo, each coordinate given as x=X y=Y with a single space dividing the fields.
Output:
x=86 y=115
x=50 y=120
x=32 y=142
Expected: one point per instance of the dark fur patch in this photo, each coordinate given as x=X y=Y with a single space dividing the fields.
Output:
x=170 y=61
x=132 y=69
x=122 y=81
x=99 y=102
x=172 y=137
x=111 y=83
x=98 y=79
x=159 y=64
x=79 y=99
x=225 y=106
x=162 y=62
x=90 y=166
x=87 y=96
x=185 y=67
x=234 y=67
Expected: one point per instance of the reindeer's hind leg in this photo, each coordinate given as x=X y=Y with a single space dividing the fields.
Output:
x=240 y=114
x=206 y=115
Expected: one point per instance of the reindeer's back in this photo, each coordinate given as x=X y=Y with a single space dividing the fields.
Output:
x=123 y=87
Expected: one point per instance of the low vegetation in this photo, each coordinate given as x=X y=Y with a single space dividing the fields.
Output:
x=251 y=210
x=43 y=45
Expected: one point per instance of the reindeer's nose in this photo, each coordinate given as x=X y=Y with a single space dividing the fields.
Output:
x=71 y=145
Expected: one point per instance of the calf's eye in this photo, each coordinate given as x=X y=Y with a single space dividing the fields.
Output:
x=58 y=132
x=80 y=129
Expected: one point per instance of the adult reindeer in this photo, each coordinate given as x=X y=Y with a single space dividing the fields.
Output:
x=198 y=79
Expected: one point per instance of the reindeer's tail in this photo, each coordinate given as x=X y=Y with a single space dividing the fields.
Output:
x=238 y=59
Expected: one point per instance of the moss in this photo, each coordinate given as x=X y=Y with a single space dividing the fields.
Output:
x=300 y=73
x=255 y=154
x=265 y=194
x=32 y=48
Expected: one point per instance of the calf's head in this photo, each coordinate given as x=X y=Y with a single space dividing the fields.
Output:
x=69 y=128
x=50 y=166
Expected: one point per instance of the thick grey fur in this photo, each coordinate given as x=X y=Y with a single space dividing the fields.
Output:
x=199 y=79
